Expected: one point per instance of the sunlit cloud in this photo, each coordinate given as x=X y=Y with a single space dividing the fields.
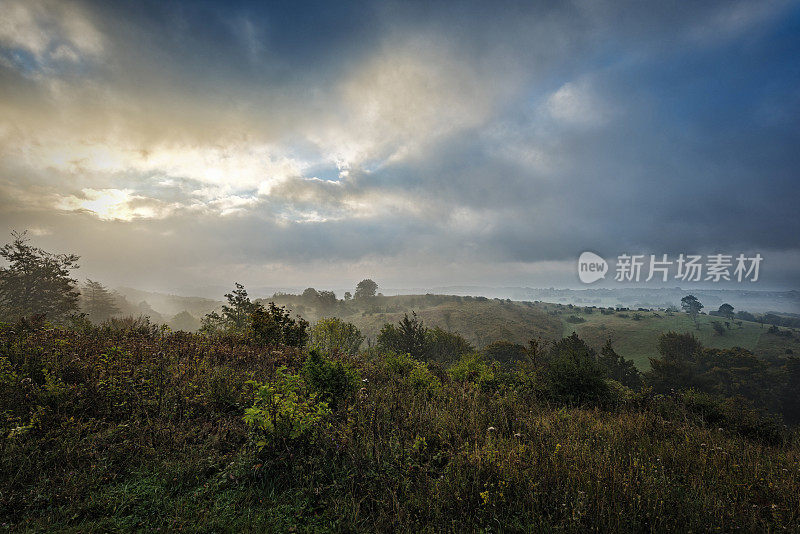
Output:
x=113 y=204
x=401 y=100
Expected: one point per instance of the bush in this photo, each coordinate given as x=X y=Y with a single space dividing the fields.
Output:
x=616 y=367
x=334 y=382
x=573 y=375
x=575 y=319
x=617 y=394
x=474 y=368
x=284 y=411
x=413 y=373
x=505 y=352
x=735 y=414
x=445 y=347
x=332 y=335
x=273 y=325
x=408 y=337
x=137 y=325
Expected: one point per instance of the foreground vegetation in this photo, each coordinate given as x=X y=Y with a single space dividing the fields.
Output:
x=265 y=422
x=127 y=426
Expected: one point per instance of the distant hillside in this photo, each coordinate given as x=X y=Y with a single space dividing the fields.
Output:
x=635 y=334
x=478 y=319
x=483 y=320
x=168 y=305
x=743 y=299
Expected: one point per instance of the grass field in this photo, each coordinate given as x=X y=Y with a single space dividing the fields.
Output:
x=638 y=339
x=483 y=321
x=480 y=322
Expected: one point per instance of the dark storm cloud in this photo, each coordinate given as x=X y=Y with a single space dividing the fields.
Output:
x=443 y=142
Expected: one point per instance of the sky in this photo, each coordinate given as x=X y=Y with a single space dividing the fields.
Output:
x=182 y=145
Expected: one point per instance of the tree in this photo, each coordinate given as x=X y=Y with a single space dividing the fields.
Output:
x=326 y=300
x=692 y=306
x=726 y=310
x=36 y=282
x=310 y=296
x=366 y=288
x=408 y=337
x=237 y=311
x=622 y=370
x=184 y=321
x=573 y=373
x=272 y=325
x=97 y=302
x=235 y=315
x=505 y=352
x=673 y=346
x=332 y=335
x=347 y=295
x=444 y=346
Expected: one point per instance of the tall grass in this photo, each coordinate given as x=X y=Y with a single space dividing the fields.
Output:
x=109 y=430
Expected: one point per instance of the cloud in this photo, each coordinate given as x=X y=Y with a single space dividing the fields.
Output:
x=576 y=104
x=441 y=143
x=114 y=204
x=49 y=32
x=401 y=99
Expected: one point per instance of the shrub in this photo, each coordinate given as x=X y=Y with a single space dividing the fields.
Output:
x=332 y=335
x=444 y=346
x=735 y=414
x=284 y=411
x=618 y=368
x=136 y=325
x=273 y=325
x=573 y=374
x=505 y=352
x=474 y=368
x=575 y=319
x=413 y=373
x=408 y=337
x=617 y=394
x=334 y=382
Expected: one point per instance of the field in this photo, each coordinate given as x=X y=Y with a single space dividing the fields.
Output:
x=483 y=321
x=637 y=339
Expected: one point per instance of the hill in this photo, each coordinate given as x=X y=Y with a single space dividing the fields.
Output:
x=483 y=321
x=635 y=333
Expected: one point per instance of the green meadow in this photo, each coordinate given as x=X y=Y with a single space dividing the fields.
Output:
x=481 y=321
